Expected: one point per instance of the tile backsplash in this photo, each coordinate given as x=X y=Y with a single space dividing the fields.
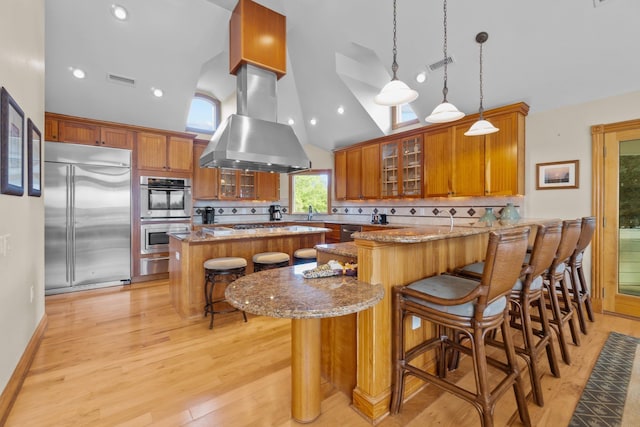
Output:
x=398 y=210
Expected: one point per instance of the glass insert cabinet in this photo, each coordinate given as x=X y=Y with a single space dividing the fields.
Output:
x=401 y=168
x=235 y=184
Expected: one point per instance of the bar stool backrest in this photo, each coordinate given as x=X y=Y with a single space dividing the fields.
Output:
x=545 y=248
x=568 y=242
x=503 y=264
x=586 y=233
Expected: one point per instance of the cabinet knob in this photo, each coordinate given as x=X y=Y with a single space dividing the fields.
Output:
x=97 y=142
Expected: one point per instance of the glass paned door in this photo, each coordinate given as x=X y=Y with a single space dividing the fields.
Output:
x=390 y=169
x=228 y=183
x=411 y=166
x=629 y=218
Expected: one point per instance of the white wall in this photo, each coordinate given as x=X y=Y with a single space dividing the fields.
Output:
x=565 y=134
x=22 y=218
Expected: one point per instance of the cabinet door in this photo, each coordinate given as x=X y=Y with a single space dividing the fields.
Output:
x=502 y=161
x=228 y=184
x=116 y=138
x=50 y=129
x=78 y=132
x=411 y=167
x=267 y=186
x=247 y=186
x=152 y=151
x=437 y=163
x=390 y=169
x=468 y=164
x=180 y=154
x=205 y=180
x=340 y=174
x=370 y=172
x=354 y=168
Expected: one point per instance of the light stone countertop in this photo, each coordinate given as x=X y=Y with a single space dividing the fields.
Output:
x=347 y=249
x=223 y=233
x=285 y=293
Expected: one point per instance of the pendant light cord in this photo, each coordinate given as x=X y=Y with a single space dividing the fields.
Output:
x=481 y=95
x=394 y=65
x=445 y=90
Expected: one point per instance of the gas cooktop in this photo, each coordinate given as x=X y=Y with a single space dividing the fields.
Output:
x=250 y=226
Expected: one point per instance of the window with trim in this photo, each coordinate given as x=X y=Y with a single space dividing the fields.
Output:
x=204 y=114
x=403 y=116
x=310 y=188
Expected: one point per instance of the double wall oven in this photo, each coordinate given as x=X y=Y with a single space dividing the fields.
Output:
x=165 y=207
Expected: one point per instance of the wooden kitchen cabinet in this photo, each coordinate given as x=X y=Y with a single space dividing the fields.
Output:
x=205 y=180
x=468 y=164
x=267 y=186
x=237 y=184
x=50 y=129
x=164 y=153
x=332 y=236
x=357 y=173
x=401 y=168
x=87 y=133
x=437 y=163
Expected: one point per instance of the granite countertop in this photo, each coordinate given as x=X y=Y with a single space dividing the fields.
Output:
x=223 y=233
x=348 y=249
x=285 y=293
x=425 y=233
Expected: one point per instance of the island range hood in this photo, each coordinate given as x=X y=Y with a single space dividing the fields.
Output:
x=252 y=139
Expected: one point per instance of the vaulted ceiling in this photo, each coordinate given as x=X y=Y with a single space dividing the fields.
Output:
x=547 y=53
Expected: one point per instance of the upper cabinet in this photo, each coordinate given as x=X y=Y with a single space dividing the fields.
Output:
x=267 y=186
x=401 y=168
x=440 y=161
x=164 y=153
x=87 y=133
x=205 y=180
x=354 y=180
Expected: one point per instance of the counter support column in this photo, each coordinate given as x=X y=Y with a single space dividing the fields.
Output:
x=305 y=369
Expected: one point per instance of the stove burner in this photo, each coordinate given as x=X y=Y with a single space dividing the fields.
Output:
x=247 y=226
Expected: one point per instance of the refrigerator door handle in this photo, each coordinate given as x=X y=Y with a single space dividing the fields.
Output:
x=72 y=219
x=68 y=222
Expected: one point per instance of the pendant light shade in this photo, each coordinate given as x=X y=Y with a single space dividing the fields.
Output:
x=395 y=92
x=445 y=112
x=482 y=126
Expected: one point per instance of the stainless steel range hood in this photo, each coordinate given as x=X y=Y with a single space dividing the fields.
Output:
x=252 y=139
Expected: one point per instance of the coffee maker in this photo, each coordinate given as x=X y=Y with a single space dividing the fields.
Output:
x=208 y=215
x=275 y=213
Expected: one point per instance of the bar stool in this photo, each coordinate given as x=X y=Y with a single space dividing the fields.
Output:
x=224 y=271
x=269 y=260
x=304 y=255
x=458 y=305
x=556 y=289
x=526 y=294
x=579 y=290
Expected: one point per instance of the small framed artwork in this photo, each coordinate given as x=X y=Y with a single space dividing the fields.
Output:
x=11 y=145
x=34 y=154
x=557 y=175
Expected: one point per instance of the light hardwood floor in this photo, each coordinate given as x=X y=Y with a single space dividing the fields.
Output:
x=123 y=357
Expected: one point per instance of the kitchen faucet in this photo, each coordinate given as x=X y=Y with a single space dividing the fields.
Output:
x=310 y=215
x=450 y=219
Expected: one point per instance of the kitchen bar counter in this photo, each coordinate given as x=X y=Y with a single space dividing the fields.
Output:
x=338 y=251
x=189 y=251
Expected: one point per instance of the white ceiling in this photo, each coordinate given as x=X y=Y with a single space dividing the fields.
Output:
x=547 y=53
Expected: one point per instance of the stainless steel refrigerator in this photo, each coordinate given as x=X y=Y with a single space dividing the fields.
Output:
x=87 y=198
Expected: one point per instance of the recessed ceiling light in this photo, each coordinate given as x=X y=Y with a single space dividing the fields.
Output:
x=421 y=77
x=341 y=110
x=313 y=121
x=157 y=92
x=78 y=73
x=119 y=12
x=291 y=122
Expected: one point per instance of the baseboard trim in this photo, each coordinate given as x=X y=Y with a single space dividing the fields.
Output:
x=10 y=392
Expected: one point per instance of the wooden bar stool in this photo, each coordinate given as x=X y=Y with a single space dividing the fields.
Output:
x=269 y=260
x=527 y=295
x=458 y=305
x=222 y=271
x=579 y=289
x=556 y=289
x=304 y=255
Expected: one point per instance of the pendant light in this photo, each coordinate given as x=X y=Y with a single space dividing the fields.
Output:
x=396 y=92
x=482 y=126
x=445 y=112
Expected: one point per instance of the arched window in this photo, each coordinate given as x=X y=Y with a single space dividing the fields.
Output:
x=403 y=116
x=204 y=114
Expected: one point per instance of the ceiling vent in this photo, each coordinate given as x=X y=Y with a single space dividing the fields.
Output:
x=114 y=78
x=440 y=64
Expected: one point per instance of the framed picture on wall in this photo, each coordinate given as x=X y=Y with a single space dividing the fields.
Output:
x=11 y=145
x=557 y=175
x=34 y=154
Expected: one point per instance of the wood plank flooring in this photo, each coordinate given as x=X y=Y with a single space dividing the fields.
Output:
x=123 y=357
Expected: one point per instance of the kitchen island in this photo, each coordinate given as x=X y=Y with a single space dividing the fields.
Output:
x=189 y=251
x=391 y=258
